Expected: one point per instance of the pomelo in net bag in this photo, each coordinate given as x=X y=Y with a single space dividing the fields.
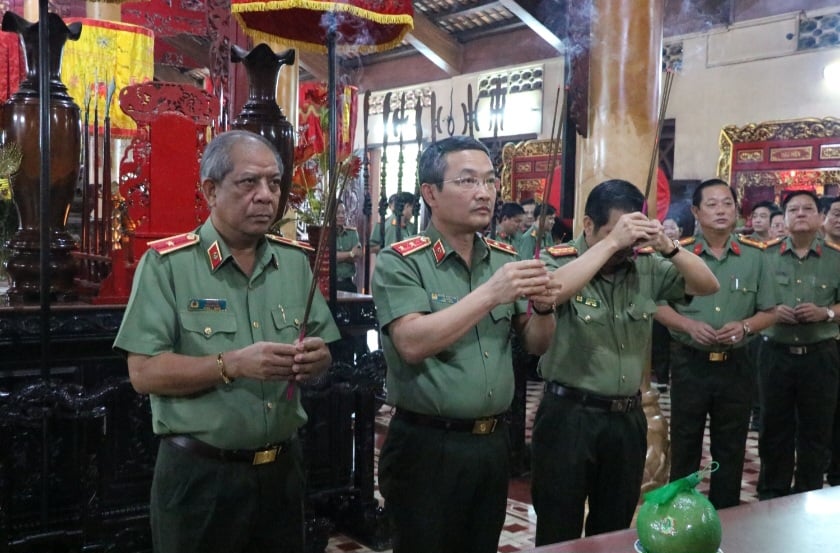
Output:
x=676 y=518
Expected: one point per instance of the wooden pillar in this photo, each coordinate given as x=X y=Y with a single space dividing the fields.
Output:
x=103 y=10
x=624 y=75
x=625 y=71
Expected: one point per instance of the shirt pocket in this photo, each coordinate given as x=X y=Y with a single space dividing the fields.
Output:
x=742 y=285
x=205 y=328
x=287 y=319
x=641 y=310
x=588 y=314
x=502 y=313
x=824 y=292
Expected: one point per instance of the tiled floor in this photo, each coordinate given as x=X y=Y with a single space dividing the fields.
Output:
x=518 y=532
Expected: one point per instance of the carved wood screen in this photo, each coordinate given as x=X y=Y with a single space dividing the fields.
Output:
x=763 y=160
x=525 y=172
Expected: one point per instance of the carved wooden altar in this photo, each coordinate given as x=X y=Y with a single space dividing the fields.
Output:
x=525 y=172
x=764 y=159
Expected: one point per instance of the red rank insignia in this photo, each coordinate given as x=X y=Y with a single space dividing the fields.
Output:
x=174 y=243
x=215 y=255
x=439 y=251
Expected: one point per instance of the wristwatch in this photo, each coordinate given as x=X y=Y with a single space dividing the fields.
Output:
x=830 y=314
x=675 y=251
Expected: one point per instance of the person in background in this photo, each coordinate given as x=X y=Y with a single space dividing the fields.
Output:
x=798 y=360
x=590 y=433
x=347 y=250
x=711 y=372
x=672 y=229
x=560 y=232
x=446 y=302
x=511 y=215
x=408 y=228
x=528 y=205
x=777 y=225
x=527 y=245
x=831 y=232
x=760 y=220
x=212 y=334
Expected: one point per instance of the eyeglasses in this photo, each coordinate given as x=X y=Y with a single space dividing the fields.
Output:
x=471 y=183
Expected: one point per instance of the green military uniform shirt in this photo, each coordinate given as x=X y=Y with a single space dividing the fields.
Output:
x=471 y=378
x=602 y=341
x=345 y=241
x=407 y=231
x=528 y=241
x=510 y=239
x=195 y=301
x=813 y=279
x=746 y=286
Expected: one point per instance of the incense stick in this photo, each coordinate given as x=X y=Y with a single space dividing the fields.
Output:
x=554 y=147
x=663 y=106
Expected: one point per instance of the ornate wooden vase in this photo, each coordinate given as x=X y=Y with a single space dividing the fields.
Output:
x=20 y=124
x=261 y=114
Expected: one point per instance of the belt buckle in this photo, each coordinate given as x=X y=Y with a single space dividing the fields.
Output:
x=621 y=405
x=484 y=426
x=718 y=356
x=798 y=350
x=265 y=456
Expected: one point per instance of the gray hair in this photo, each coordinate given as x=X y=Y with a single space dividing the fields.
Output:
x=216 y=162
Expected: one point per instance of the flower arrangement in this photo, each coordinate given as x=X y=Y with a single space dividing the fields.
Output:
x=309 y=180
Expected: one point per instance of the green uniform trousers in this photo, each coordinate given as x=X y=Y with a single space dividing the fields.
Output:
x=445 y=491
x=205 y=505
x=723 y=391
x=798 y=396
x=585 y=453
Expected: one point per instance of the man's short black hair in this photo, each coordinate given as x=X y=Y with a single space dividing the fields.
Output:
x=697 y=197
x=793 y=193
x=825 y=206
x=432 y=164
x=771 y=206
x=527 y=201
x=612 y=194
x=510 y=210
x=547 y=208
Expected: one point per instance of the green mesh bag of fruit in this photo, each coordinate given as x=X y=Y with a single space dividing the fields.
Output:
x=676 y=518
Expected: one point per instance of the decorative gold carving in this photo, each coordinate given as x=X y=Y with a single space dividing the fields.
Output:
x=830 y=151
x=794 y=153
x=750 y=156
x=515 y=156
x=794 y=129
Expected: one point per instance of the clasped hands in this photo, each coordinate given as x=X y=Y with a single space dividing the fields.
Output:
x=802 y=313
x=636 y=230
x=297 y=362
x=527 y=279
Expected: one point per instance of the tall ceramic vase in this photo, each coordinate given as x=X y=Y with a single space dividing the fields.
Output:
x=261 y=114
x=20 y=124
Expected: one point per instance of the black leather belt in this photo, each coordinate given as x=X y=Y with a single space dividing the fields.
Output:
x=804 y=349
x=620 y=404
x=268 y=454
x=486 y=425
x=711 y=356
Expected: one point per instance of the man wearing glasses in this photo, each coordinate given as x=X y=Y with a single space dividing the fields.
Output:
x=446 y=301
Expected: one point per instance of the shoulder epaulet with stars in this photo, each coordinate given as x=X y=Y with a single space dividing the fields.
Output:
x=411 y=245
x=774 y=242
x=507 y=248
x=750 y=241
x=174 y=243
x=289 y=242
x=833 y=245
x=561 y=251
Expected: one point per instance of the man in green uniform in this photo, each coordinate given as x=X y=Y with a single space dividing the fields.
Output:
x=212 y=334
x=347 y=251
x=831 y=232
x=446 y=301
x=510 y=219
x=404 y=203
x=527 y=245
x=589 y=438
x=711 y=372
x=798 y=359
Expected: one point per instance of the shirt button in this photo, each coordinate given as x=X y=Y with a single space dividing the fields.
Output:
x=717 y=309
x=255 y=324
x=796 y=338
x=799 y=300
x=269 y=406
x=208 y=331
x=644 y=316
x=490 y=393
x=798 y=281
x=623 y=378
x=486 y=355
x=587 y=318
x=616 y=316
x=622 y=346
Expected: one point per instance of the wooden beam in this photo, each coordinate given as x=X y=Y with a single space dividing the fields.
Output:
x=315 y=64
x=518 y=9
x=437 y=45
